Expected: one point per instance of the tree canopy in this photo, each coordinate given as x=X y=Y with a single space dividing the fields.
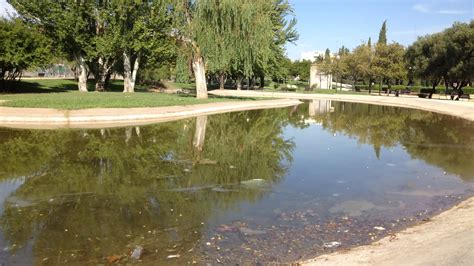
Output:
x=21 y=47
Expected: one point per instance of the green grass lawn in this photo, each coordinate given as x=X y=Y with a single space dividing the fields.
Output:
x=63 y=94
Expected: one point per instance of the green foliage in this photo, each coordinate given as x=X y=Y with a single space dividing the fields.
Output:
x=182 y=69
x=389 y=63
x=383 y=34
x=21 y=47
x=300 y=68
x=446 y=55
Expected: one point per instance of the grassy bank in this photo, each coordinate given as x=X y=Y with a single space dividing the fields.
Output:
x=63 y=94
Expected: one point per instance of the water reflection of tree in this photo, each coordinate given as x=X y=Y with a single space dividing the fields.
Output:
x=101 y=192
x=440 y=140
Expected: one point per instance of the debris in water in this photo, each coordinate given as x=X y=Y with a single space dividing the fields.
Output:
x=137 y=253
x=112 y=259
x=255 y=183
x=333 y=244
x=352 y=207
x=251 y=232
x=380 y=228
x=173 y=256
x=223 y=190
x=232 y=167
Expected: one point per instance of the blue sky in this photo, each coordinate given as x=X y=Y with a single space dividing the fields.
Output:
x=330 y=24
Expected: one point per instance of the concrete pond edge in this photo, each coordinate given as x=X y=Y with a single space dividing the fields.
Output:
x=45 y=118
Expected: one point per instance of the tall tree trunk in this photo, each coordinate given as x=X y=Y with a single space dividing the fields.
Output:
x=200 y=76
x=136 y=66
x=221 y=80
x=129 y=74
x=262 y=81
x=82 y=83
x=100 y=75
x=239 y=83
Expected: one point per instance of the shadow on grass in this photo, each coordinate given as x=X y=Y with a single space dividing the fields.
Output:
x=57 y=86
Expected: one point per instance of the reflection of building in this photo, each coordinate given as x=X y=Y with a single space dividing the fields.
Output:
x=319 y=79
x=318 y=107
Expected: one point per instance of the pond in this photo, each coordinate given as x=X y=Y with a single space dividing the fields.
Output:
x=261 y=186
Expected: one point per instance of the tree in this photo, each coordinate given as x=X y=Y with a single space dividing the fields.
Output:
x=358 y=63
x=70 y=24
x=300 y=69
x=383 y=34
x=21 y=47
x=338 y=67
x=284 y=31
x=459 y=54
x=217 y=34
x=426 y=59
x=446 y=55
x=143 y=27
x=327 y=55
x=389 y=64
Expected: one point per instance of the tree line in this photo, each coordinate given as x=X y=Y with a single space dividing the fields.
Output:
x=226 y=39
x=445 y=56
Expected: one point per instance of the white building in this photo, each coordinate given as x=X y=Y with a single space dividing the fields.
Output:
x=319 y=79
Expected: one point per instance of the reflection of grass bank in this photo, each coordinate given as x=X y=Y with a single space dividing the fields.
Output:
x=63 y=94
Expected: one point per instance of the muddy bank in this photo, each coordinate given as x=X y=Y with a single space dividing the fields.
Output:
x=446 y=239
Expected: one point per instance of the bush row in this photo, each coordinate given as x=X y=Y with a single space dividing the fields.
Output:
x=439 y=89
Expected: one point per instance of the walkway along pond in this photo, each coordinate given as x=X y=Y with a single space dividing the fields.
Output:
x=273 y=185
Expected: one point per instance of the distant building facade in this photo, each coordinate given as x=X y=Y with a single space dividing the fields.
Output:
x=319 y=79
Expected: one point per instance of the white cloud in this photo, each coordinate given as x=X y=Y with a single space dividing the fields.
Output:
x=421 y=8
x=451 y=12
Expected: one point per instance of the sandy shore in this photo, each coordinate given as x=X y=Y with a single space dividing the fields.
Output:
x=447 y=239
x=44 y=118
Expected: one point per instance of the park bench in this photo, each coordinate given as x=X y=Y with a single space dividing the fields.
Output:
x=425 y=93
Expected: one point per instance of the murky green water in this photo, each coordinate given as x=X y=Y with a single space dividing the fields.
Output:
x=261 y=186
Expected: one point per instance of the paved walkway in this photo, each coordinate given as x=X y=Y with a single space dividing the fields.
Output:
x=462 y=109
x=43 y=118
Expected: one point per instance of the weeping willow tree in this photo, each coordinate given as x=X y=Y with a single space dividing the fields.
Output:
x=217 y=34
